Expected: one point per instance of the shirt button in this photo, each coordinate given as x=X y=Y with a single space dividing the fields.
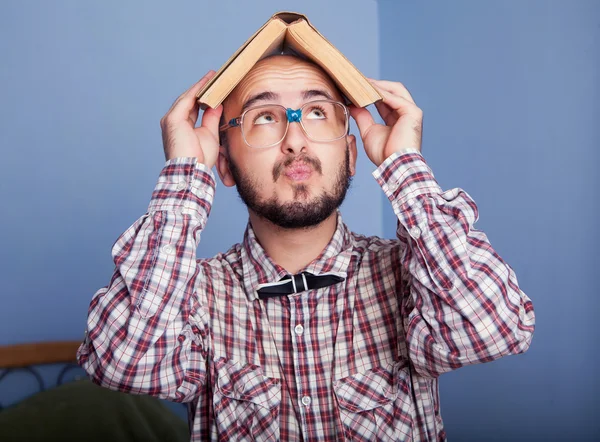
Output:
x=299 y=329
x=415 y=232
x=306 y=400
x=394 y=186
x=168 y=249
x=181 y=185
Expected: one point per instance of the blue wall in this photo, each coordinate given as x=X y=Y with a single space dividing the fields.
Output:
x=511 y=97
x=83 y=86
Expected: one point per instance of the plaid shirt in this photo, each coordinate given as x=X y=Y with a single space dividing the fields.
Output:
x=355 y=361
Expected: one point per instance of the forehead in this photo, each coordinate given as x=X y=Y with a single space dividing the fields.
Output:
x=285 y=76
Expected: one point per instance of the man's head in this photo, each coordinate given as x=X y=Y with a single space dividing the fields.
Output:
x=298 y=182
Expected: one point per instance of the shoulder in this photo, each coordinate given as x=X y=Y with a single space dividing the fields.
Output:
x=374 y=245
x=373 y=253
x=223 y=264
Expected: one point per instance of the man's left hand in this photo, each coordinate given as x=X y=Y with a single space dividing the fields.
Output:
x=403 y=122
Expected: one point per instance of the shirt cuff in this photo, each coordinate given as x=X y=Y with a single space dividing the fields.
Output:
x=403 y=176
x=184 y=186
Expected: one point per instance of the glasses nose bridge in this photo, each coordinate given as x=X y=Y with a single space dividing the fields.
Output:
x=294 y=116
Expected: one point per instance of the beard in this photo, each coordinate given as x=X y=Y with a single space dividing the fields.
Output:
x=295 y=214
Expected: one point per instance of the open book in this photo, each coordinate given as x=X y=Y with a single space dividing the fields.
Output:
x=294 y=31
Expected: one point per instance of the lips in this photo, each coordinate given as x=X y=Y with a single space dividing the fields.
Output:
x=298 y=171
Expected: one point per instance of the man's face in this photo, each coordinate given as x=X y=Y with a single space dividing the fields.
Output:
x=298 y=182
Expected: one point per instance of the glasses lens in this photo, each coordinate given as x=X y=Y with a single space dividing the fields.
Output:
x=264 y=125
x=324 y=120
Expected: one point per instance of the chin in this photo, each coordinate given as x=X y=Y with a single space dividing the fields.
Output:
x=302 y=192
x=297 y=192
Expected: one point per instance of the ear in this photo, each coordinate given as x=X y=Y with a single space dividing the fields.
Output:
x=223 y=168
x=351 y=143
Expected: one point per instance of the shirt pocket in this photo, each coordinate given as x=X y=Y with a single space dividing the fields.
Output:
x=376 y=405
x=246 y=403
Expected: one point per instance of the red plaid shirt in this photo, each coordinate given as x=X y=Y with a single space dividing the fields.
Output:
x=355 y=361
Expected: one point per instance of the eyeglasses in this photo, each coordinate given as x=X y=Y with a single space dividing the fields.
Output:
x=267 y=125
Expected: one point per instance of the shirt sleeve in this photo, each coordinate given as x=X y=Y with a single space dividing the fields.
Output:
x=462 y=303
x=147 y=331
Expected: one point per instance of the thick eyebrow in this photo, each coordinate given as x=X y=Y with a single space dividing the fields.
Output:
x=272 y=96
x=312 y=93
x=262 y=96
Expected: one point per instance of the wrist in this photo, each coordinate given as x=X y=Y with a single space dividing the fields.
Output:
x=198 y=156
x=399 y=152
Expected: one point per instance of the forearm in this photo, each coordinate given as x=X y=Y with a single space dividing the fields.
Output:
x=463 y=303
x=147 y=332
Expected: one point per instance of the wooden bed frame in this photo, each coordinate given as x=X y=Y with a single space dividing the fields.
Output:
x=30 y=358
x=26 y=357
x=27 y=370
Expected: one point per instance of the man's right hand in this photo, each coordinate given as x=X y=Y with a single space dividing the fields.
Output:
x=181 y=137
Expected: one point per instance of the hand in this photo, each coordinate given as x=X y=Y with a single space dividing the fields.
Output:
x=403 y=122
x=180 y=136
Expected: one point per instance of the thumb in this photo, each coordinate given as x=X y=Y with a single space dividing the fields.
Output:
x=364 y=119
x=211 y=118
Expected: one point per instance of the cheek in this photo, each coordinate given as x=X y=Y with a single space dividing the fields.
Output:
x=235 y=139
x=257 y=166
x=333 y=163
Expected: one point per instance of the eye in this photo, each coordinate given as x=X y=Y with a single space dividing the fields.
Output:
x=316 y=113
x=265 y=118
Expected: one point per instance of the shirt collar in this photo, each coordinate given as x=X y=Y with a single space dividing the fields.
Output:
x=259 y=268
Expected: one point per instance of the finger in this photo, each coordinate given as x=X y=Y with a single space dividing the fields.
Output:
x=386 y=113
x=186 y=101
x=211 y=118
x=364 y=119
x=193 y=90
x=193 y=113
x=399 y=105
x=394 y=87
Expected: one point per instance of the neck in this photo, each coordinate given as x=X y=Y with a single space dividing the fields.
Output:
x=293 y=249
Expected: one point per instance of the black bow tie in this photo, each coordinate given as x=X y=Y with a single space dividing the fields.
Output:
x=297 y=283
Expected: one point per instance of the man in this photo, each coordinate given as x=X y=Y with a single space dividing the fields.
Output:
x=305 y=330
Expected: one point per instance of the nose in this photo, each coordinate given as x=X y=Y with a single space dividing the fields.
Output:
x=295 y=140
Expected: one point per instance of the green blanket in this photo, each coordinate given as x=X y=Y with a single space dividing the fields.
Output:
x=82 y=411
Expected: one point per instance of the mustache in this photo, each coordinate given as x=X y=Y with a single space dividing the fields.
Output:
x=303 y=158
